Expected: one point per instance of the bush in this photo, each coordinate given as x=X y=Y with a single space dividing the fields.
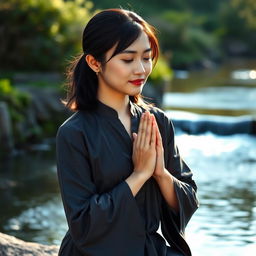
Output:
x=39 y=34
x=161 y=72
x=17 y=103
x=16 y=99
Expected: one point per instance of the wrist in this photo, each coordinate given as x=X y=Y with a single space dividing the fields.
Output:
x=163 y=175
x=141 y=176
x=136 y=181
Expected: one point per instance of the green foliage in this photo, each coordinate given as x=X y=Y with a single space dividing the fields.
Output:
x=237 y=26
x=161 y=72
x=149 y=8
x=246 y=10
x=15 y=98
x=182 y=34
x=26 y=125
x=43 y=35
x=17 y=101
x=39 y=34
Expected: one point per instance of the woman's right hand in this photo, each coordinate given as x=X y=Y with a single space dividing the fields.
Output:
x=144 y=146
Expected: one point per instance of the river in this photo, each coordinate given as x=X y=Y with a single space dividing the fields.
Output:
x=225 y=223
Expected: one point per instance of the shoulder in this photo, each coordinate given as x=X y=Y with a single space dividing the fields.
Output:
x=72 y=125
x=158 y=112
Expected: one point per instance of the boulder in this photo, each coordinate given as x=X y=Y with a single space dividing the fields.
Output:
x=11 y=246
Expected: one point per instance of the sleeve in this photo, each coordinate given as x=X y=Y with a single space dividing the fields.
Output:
x=94 y=220
x=185 y=189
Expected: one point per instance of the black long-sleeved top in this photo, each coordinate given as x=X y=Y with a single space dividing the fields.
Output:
x=94 y=157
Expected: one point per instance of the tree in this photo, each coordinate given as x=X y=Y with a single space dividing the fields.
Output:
x=237 y=27
x=246 y=10
x=39 y=34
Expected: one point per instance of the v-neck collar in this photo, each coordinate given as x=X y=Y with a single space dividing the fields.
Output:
x=112 y=115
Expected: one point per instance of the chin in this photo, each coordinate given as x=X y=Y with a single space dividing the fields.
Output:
x=135 y=93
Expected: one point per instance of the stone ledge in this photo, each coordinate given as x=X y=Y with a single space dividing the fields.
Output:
x=11 y=246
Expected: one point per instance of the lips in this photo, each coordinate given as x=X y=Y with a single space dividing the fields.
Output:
x=137 y=81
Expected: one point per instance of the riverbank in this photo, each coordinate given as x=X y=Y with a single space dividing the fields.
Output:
x=35 y=122
x=10 y=245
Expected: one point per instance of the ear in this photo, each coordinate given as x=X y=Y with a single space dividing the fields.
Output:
x=93 y=63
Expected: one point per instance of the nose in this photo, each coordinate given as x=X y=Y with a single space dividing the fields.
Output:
x=139 y=68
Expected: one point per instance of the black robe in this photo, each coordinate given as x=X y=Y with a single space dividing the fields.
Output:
x=94 y=157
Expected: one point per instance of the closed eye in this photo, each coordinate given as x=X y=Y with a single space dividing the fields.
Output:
x=127 y=61
x=131 y=60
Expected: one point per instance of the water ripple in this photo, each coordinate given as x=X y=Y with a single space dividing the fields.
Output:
x=225 y=171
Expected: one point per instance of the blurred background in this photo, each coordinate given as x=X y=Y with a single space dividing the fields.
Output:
x=205 y=80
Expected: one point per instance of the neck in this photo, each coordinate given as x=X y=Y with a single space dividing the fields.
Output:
x=120 y=104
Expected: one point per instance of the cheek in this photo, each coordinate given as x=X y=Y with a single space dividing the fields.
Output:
x=120 y=70
x=148 y=68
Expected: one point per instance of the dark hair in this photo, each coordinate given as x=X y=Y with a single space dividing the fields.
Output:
x=105 y=30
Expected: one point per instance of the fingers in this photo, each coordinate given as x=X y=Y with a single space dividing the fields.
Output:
x=153 y=133
x=144 y=132
x=135 y=136
x=138 y=141
x=158 y=136
x=148 y=132
x=142 y=129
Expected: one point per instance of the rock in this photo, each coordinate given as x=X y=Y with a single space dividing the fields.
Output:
x=24 y=78
x=46 y=102
x=11 y=246
x=6 y=139
x=42 y=117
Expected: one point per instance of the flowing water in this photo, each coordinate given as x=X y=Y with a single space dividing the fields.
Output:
x=225 y=171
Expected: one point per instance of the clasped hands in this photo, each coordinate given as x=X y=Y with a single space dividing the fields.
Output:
x=148 y=152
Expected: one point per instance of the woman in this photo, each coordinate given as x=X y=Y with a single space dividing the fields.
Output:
x=119 y=170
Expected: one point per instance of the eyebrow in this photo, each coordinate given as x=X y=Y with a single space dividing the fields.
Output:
x=133 y=52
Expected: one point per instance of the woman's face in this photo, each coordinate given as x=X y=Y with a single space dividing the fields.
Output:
x=127 y=72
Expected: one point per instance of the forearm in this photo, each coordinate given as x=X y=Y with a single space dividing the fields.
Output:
x=166 y=185
x=135 y=181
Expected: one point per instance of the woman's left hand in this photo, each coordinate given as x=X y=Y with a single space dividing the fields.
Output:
x=160 y=166
x=162 y=176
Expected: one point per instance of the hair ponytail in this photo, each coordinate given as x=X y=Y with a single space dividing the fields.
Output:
x=82 y=85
